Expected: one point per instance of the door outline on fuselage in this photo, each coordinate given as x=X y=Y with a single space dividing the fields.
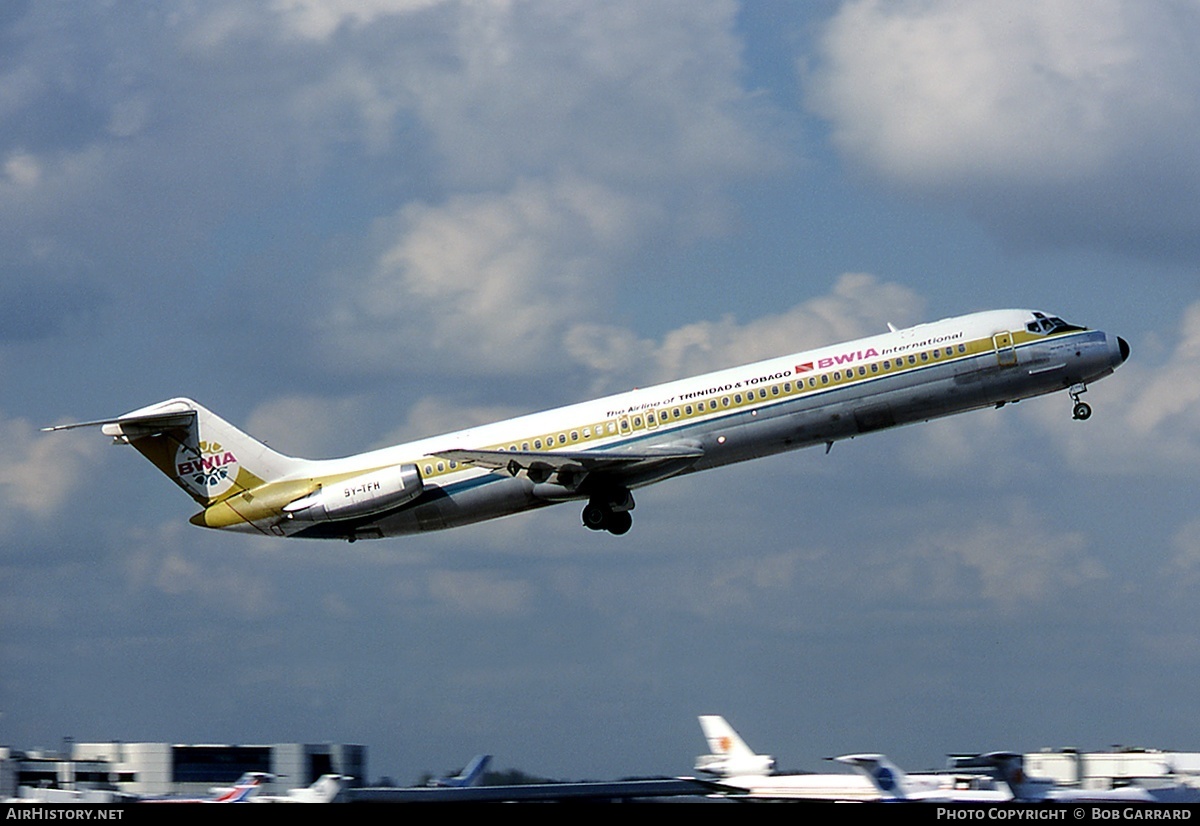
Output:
x=1006 y=351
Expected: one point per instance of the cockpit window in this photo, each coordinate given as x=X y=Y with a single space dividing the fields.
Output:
x=1045 y=325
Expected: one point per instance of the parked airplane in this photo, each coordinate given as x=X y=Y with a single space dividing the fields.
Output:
x=469 y=776
x=744 y=775
x=324 y=790
x=71 y=797
x=1010 y=767
x=599 y=451
x=895 y=785
x=243 y=791
x=730 y=754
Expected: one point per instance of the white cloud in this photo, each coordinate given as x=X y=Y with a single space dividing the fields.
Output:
x=22 y=169
x=932 y=89
x=949 y=447
x=621 y=91
x=858 y=305
x=1067 y=107
x=571 y=134
x=35 y=186
x=38 y=471
x=319 y=19
x=1184 y=566
x=1146 y=416
x=432 y=415
x=548 y=142
x=740 y=583
x=476 y=593
x=161 y=558
x=1013 y=560
x=1171 y=397
x=490 y=281
x=306 y=426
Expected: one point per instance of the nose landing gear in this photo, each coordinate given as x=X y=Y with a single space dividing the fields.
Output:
x=1082 y=410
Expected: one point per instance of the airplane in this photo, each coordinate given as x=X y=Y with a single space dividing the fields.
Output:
x=730 y=754
x=894 y=785
x=469 y=776
x=243 y=791
x=742 y=774
x=324 y=790
x=1010 y=767
x=70 y=797
x=598 y=452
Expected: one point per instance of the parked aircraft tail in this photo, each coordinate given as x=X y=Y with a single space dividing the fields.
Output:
x=889 y=779
x=469 y=776
x=243 y=791
x=730 y=755
x=325 y=790
x=1010 y=767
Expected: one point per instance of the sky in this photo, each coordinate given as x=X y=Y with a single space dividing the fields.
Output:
x=342 y=225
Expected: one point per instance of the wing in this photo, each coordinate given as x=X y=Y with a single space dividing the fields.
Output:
x=571 y=468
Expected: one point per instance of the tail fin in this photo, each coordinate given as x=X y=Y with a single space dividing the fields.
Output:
x=1011 y=768
x=243 y=790
x=890 y=780
x=469 y=776
x=730 y=754
x=210 y=459
x=326 y=788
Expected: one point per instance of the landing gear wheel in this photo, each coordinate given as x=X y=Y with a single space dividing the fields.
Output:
x=619 y=523
x=1082 y=410
x=595 y=517
x=608 y=510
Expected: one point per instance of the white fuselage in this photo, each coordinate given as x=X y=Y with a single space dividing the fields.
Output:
x=785 y=403
x=843 y=788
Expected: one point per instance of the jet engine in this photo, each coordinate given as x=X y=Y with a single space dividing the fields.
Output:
x=361 y=495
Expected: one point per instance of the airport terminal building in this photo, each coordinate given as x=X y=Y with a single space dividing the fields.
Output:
x=148 y=769
x=1113 y=769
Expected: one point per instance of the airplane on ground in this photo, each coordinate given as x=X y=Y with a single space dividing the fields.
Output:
x=469 y=776
x=744 y=775
x=894 y=785
x=1010 y=767
x=324 y=790
x=599 y=451
x=70 y=797
x=730 y=754
x=243 y=791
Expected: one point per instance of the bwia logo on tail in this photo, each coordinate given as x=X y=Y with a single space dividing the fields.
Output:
x=201 y=452
x=208 y=475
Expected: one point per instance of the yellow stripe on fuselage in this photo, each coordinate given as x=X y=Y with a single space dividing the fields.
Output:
x=630 y=414
x=672 y=411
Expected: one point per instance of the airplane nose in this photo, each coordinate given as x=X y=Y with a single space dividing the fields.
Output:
x=1118 y=350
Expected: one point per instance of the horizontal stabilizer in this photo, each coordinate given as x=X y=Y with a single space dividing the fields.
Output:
x=205 y=455
x=114 y=427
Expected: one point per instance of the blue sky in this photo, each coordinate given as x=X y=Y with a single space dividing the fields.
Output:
x=343 y=225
